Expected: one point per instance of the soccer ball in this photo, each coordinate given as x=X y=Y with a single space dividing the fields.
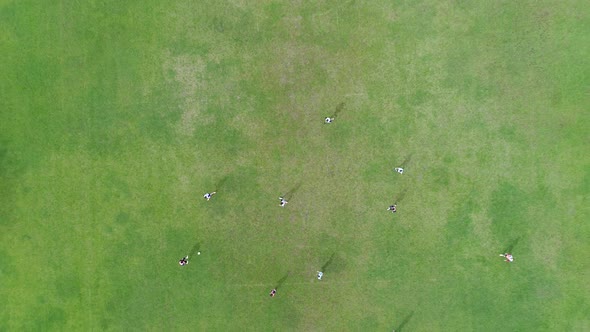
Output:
x=198 y=252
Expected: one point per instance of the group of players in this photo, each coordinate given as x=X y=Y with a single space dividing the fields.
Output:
x=283 y=202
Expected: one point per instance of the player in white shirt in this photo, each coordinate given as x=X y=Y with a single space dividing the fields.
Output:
x=508 y=256
x=283 y=202
x=207 y=196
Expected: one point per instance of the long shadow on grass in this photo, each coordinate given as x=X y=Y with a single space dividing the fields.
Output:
x=195 y=248
x=406 y=161
x=512 y=245
x=281 y=281
x=338 y=109
x=400 y=196
x=404 y=322
x=325 y=266
x=292 y=191
x=220 y=183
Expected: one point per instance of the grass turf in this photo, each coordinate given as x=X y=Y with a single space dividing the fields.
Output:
x=117 y=116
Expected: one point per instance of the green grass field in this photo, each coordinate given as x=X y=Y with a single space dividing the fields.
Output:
x=117 y=116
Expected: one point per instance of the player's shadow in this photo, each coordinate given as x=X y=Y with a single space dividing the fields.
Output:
x=511 y=245
x=406 y=161
x=292 y=191
x=325 y=266
x=338 y=109
x=195 y=248
x=220 y=183
x=404 y=322
x=281 y=281
x=400 y=196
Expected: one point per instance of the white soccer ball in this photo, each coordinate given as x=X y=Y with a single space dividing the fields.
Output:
x=198 y=252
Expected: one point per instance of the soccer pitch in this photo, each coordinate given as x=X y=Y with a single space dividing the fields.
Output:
x=117 y=116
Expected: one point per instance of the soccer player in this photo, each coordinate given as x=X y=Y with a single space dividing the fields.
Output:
x=207 y=196
x=399 y=170
x=283 y=202
x=508 y=257
x=183 y=261
x=392 y=208
x=328 y=120
x=273 y=292
x=320 y=275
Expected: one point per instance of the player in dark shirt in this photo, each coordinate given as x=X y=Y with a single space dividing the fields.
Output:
x=183 y=261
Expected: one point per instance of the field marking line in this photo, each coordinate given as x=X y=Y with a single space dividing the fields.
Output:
x=310 y=282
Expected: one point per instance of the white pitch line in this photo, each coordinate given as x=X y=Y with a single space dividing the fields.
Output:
x=310 y=282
